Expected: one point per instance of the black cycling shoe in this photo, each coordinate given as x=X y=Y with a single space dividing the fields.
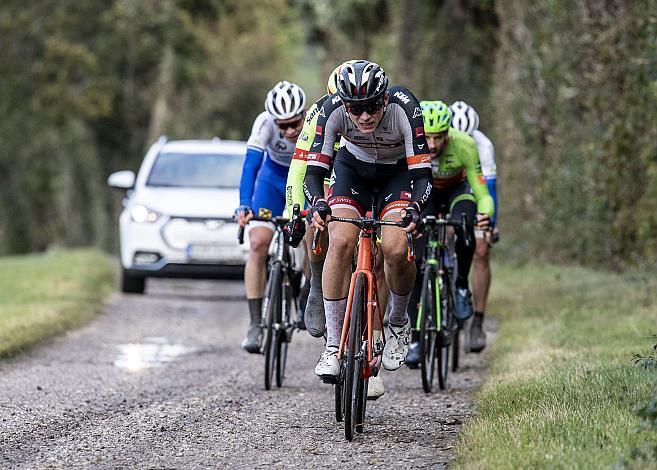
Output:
x=413 y=357
x=253 y=341
x=477 y=334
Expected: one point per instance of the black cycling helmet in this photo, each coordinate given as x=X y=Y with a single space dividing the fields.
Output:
x=362 y=80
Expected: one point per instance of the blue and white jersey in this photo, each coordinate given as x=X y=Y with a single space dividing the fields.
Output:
x=488 y=166
x=486 y=155
x=266 y=136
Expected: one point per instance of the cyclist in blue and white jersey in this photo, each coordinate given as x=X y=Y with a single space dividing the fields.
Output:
x=466 y=119
x=262 y=189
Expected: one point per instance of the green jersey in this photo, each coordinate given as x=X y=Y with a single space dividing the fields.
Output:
x=458 y=161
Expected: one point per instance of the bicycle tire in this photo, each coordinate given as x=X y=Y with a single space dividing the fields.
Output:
x=444 y=337
x=353 y=381
x=442 y=362
x=284 y=338
x=272 y=337
x=339 y=395
x=455 y=331
x=450 y=290
x=456 y=346
x=428 y=328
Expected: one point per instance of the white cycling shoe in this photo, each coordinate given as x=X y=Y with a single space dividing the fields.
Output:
x=328 y=364
x=375 y=387
x=397 y=343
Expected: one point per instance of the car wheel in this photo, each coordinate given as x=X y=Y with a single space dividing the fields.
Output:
x=132 y=284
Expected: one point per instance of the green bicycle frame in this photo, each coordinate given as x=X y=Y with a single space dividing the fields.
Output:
x=432 y=260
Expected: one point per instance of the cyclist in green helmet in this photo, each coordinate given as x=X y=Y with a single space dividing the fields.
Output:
x=459 y=188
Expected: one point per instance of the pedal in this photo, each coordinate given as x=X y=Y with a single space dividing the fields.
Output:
x=329 y=379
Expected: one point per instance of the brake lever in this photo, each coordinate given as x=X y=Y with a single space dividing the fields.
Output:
x=317 y=246
x=410 y=256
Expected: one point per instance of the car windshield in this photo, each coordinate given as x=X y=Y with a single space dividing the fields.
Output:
x=196 y=170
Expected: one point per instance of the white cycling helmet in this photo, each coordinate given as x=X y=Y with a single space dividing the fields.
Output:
x=464 y=117
x=285 y=100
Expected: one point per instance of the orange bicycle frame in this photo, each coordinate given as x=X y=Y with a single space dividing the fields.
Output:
x=365 y=265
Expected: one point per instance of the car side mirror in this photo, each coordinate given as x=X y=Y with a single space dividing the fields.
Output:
x=122 y=180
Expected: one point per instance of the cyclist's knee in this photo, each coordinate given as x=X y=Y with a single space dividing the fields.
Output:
x=395 y=253
x=342 y=243
x=482 y=251
x=259 y=242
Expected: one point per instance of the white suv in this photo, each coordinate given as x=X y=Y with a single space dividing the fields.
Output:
x=177 y=216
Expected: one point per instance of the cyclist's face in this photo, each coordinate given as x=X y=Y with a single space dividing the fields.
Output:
x=291 y=128
x=366 y=116
x=437 y=142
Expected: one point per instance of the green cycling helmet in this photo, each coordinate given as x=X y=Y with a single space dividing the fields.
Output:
x=437 y=116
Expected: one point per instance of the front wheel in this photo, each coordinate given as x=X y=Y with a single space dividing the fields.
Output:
x=284 y=337
x=271 y=343
x=429 y=319
x=354 y=386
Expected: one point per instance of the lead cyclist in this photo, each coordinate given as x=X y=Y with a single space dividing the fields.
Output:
x=466 y=119
x=385 y=150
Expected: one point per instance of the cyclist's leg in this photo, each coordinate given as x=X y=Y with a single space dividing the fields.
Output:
x=314 y=315
x=463 y=202
x=268 y=200
x=399 y=272
x=381 y=284
x=342 y=242
x=420 y=247
x=481 y=276
x=481 y=273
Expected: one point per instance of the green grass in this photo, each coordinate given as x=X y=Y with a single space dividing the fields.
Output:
x=562 y=388
x=43 y=295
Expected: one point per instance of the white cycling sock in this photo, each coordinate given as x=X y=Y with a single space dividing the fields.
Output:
x=398 y=305
x=334 y=310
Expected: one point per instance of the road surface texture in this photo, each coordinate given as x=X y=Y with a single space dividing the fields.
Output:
x=160 y=381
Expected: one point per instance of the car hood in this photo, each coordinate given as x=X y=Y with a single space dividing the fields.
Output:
x=189 y=202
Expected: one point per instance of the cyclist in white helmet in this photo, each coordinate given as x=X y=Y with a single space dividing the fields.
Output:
x=262 y=188
x=466 y=119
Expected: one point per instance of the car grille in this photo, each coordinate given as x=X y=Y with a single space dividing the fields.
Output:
x=179 y=232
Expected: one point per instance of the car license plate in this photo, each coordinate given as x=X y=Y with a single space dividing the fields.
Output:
x=211 y=252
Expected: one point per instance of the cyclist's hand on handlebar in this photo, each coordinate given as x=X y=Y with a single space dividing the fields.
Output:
x=242 y=215
x=411 y=219
x=321 y=214
x=294 y=232
x=483 y=222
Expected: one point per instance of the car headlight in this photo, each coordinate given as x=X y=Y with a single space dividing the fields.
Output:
x=141 y=214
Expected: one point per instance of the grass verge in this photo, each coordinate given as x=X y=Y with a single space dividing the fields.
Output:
x=42 y=295
x=562 y=388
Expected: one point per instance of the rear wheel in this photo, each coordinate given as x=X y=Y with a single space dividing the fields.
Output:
x=132 y=284
x=271 y=343
x=354 y=385
x=428 y=329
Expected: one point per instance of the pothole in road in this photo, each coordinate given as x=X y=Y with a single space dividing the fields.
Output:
x=152 y=352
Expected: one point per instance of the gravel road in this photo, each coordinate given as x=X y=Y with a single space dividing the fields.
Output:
x=160 y=381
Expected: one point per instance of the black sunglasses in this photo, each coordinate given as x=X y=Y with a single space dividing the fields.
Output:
x=286 y=125
x=371 y=107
